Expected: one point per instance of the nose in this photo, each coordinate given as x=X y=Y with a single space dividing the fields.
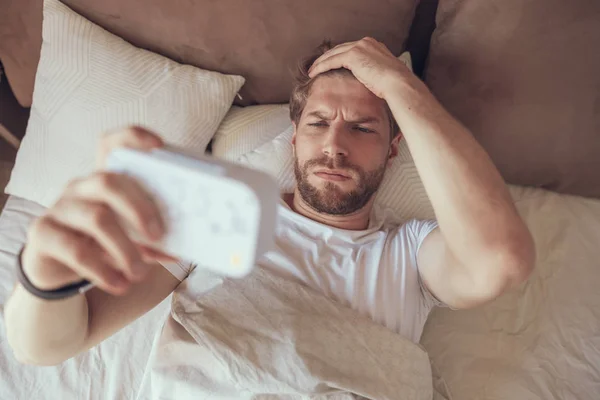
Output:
x=335 y=143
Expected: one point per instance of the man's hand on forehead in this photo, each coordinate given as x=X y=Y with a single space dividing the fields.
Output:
x=370 y=61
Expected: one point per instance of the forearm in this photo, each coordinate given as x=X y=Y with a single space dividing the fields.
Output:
x=472 y=204
x=45 y=332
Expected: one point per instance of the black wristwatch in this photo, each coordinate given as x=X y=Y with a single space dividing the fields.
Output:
x=56 y=294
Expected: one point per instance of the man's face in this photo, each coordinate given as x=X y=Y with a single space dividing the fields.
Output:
x=343 y=129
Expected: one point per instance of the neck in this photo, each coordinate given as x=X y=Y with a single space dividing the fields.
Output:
x=356 y=221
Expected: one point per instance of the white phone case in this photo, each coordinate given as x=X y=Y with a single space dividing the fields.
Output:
x=218 y=215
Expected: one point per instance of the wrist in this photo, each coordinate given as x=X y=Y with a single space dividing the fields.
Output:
x=405 y=88
x=411 y=98
x=44 y=291
x=32 y=275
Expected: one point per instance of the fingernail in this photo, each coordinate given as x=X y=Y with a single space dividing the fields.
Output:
x=155 y=229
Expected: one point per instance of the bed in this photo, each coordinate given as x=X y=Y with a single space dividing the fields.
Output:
x=540 y=341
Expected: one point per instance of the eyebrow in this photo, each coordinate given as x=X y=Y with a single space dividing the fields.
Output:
x=363 y=120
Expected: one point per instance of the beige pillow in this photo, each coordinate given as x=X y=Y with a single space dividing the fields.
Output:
x=246 y=128
x=88 y=82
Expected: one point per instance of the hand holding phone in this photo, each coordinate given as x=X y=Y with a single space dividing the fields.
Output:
x=218 y=215
x=81 y=236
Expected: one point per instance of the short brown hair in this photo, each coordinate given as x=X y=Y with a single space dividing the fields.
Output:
x=303 y=84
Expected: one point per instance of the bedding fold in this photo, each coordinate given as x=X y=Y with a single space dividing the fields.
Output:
x=265 y=337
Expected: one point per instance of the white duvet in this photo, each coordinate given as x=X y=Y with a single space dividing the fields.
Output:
x=541 y=341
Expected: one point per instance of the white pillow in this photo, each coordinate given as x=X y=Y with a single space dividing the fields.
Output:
x=246 y=128
x=401 y=196
x=90 y=81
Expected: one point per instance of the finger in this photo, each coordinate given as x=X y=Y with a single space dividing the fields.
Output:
x=374 y=42
x=97 y=221
x=366 y=42
x=84 y=257
x=330 y=53
x=341 y=60
x=132 y=137
x=384 y=49
x=134 y=206
x=344 y=44
x=102 y=275
x=155 y=255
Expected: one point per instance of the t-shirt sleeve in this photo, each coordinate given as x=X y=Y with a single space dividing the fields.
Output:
x=419 y=230
x=180 y=269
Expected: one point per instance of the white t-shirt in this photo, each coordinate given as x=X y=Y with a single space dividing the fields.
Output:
x=373 y=271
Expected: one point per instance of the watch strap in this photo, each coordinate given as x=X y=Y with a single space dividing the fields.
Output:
x=64 y=292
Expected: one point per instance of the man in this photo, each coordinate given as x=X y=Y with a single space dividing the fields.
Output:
x=348 y=111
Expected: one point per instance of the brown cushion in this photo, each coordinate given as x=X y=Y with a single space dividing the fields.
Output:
x=420 y=33
x=20 y=44
x=261 y=40
x=524 y=76
x=12 y=116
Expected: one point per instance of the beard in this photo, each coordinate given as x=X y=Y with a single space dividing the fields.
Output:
x=331 y=199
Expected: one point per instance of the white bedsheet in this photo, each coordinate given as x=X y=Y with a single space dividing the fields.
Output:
x=112 y=370
x=541 y=341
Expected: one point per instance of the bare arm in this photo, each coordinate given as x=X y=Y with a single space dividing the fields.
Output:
x=482 y=246
x=49 y=332
x=83 y=236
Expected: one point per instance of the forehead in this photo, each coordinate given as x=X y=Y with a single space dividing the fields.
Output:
x=332 y=94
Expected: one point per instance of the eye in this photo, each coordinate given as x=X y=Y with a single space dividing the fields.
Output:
x=318 y=124
x=363 y=129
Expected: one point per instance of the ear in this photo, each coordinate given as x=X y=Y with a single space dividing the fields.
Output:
x=294 y=135
x=394 y=149
x=294 y=139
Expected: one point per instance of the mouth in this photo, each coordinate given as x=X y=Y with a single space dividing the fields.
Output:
x=332 y=176
x=333 y=172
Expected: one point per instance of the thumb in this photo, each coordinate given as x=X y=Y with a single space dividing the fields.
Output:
x=132 y=137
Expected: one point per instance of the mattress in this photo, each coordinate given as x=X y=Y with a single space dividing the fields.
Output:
x=540 y=341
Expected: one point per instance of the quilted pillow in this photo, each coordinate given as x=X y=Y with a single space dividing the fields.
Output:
x=246 y=128
x=90 y=81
